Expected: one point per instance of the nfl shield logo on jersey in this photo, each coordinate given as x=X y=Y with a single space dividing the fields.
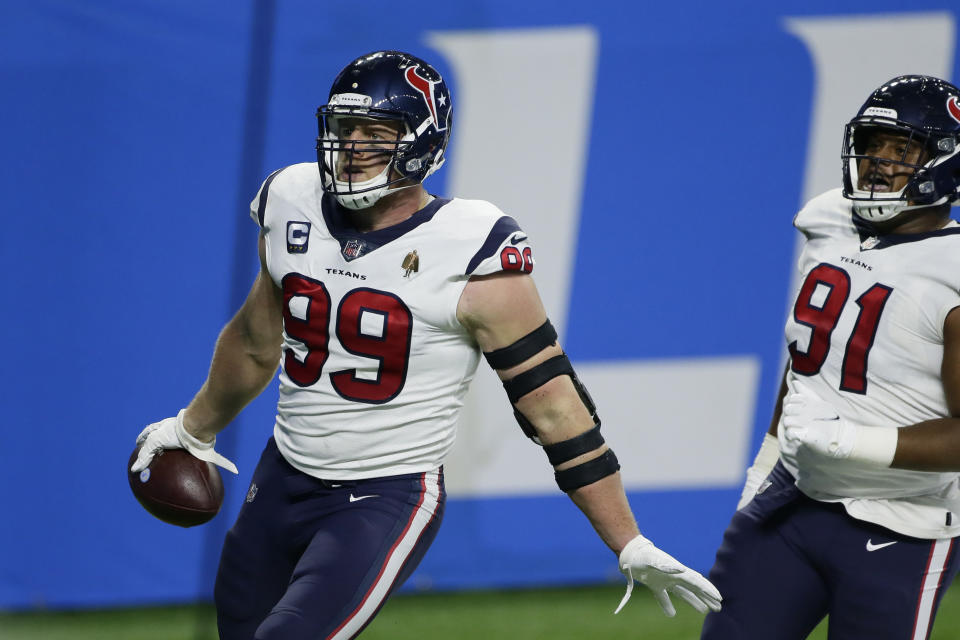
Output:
x=352 y=249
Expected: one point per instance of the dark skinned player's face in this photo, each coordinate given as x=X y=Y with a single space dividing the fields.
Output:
x=888 y=177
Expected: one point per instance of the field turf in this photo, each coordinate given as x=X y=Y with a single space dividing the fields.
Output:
x=547 y=614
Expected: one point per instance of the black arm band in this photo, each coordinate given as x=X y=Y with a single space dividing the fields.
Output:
x=522 y=384
x=523 y=349
x=539 y=375
x=588 y=472
x=561 y=452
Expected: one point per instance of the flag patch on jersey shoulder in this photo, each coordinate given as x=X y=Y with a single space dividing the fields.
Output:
x=298 y=236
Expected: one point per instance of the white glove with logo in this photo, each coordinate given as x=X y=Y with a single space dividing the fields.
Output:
x=762 y=465
x=640 y=560
x=170 y=434
x=811 y=425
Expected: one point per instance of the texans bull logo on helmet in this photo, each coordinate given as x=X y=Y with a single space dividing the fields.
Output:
x=425 y=88
x=953 y=108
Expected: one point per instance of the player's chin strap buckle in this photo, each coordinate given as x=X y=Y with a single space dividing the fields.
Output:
x=626 y=596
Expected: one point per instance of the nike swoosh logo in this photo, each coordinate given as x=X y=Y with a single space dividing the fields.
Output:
x=874 y=547
x=518 y=238
x=354 y=498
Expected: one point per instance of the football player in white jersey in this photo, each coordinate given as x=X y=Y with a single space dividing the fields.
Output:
x=377 y=300
x=852 y=506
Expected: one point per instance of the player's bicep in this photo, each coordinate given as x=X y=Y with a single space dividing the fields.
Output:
x=500 y=308
x=260 y=319
x=505 y=315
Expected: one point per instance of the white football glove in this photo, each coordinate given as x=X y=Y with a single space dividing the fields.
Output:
x=811 y=425
x=762 y=466
x=170 y=434
x=640 y=560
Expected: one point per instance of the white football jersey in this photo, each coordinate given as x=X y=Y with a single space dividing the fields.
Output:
x=865 y=335
x=375 y=364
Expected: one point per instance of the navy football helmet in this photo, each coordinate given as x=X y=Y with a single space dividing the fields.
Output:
x=391 y=86
x=922 y=109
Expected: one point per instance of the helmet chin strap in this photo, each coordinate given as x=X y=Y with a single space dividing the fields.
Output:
x=357 y=201
x=874 y=211
x=366 y=198
x=877 y=211
x=346 y=192
x=867 y=206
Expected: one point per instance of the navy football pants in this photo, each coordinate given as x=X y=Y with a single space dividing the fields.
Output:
x=309 y=558
x=786 y=561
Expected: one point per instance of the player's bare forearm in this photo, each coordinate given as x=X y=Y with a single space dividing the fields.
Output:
x=498 y=310
x=605 y=505
x=778 y=406
x=237 y=376
x=245 y=359
x=558 y=414
x=933 y=445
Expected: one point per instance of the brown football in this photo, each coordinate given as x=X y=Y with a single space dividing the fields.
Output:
x=177 y=487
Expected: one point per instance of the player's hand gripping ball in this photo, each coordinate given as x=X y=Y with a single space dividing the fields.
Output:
x=172 y=473
x=177 y=487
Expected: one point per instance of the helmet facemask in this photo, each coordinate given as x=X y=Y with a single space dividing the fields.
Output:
x=405 y=164
x=383 y=86
x=876 y=201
